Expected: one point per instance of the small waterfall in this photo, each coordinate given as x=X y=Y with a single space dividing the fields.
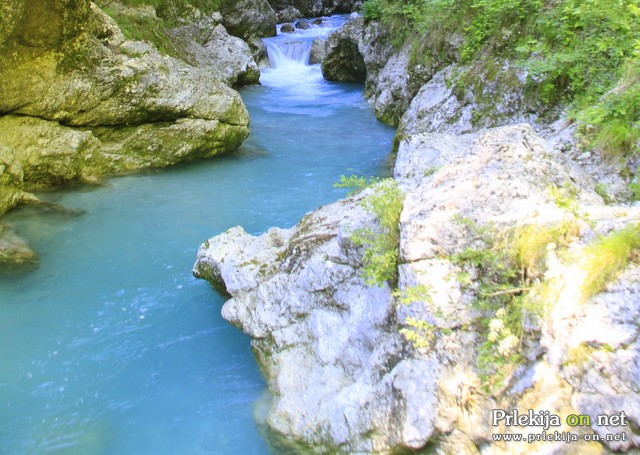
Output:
x=288 y=53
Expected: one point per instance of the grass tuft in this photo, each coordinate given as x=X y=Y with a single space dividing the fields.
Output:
x=608 y=257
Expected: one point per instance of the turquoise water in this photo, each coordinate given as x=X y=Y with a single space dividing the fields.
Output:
x=111 y=346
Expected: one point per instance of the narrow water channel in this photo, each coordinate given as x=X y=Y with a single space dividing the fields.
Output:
x=111 y=346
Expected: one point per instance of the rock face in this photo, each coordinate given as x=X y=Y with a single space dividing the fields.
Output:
x=344 y=61
x=321 y=334
x=363 y=52
x=318 y=50
x=207 y=45
x=248 y=18
x=344 y=380
x=79 y=100
x=427 y=84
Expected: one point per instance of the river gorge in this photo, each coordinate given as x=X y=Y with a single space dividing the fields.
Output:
x=111 y=346
x=298 y=227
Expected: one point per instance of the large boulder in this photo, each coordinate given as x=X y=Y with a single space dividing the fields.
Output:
x=80 y=100
x=344 y=61
x=322 y=335
x=318 y=50
x=247 y=18
x=206 y=44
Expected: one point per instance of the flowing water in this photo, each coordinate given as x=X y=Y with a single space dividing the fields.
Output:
x=111 y=346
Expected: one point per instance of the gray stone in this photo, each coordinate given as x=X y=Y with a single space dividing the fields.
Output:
x=318 y=50
x=247 y=18
x=287 y=28
x=209 y=46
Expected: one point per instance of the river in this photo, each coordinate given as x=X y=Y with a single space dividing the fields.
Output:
x=110 y=346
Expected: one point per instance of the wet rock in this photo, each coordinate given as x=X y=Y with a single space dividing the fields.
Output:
x=287 y=28
x=302 y=25
x=343 y=61
x=15 y=254
x=318 y=50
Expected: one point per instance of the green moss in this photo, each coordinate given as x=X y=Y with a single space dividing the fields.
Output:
x=140 y=27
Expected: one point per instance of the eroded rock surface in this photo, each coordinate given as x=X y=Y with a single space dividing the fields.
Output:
x=247 y=18
x=344 y=379
x=80 y=100
x=207 y=45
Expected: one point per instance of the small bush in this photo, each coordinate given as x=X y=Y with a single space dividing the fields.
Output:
x=355 y=183
x=380 y=258
x=634 y=188
x=372 y=10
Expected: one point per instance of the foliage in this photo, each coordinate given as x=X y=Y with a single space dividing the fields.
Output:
x=506 y=263
x=355 y=183
x=380 y=258
x=575 y=52
x=420 y=333
x=601 y=190
x=372 y=10
x=419 y=293
x=634 y=188
x=613 y=123
x=608 y=256
x=144 y=28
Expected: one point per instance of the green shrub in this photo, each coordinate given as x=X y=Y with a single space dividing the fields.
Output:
x=380 y=258
x=372 y=10
x=575 y=53
x=355 y=183
x=634 y=188
x=613 y=123
x=508 y=266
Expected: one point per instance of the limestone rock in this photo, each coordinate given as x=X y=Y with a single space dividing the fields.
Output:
x=322 y=335
x=248 y=18
x=343 y=379
x=15 y=254
x=207 y=45
x=11 y=179
x=288 y=10
x=318 y=50
x=83 y=101
x=344 y=61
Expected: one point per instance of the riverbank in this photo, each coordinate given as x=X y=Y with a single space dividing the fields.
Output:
x=111 y=345
x=512 y=282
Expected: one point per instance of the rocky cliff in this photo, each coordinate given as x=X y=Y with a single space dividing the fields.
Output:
x=517 y=285
x=342 y=375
